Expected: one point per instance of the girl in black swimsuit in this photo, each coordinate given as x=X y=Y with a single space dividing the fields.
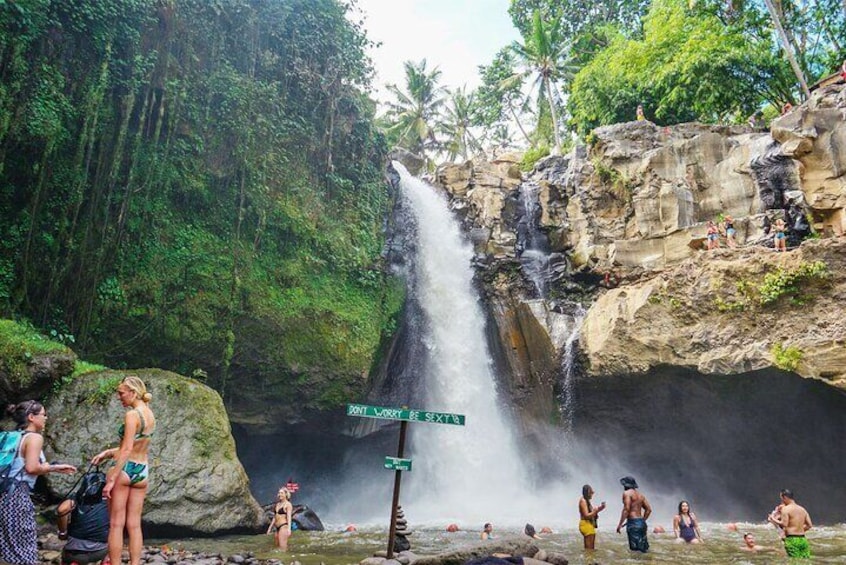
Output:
x=282 y=511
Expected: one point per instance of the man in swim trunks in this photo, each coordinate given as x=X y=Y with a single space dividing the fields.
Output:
x=636 y=511
x=796 y=521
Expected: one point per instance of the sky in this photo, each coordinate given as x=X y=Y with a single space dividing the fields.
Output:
x=455 y=35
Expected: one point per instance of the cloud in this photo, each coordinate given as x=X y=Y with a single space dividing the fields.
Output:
x=454 y=35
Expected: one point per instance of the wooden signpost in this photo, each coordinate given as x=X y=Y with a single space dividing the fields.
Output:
x=399 y=463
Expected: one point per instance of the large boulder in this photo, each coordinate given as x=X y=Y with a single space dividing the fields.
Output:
x=197 y=484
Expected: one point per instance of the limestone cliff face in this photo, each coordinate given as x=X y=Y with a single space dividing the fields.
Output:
x=636 y=203
x=707 y=314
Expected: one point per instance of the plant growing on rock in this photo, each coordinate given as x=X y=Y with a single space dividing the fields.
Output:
x=786 y=358
x=789 y=282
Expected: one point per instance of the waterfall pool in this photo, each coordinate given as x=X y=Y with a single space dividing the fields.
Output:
x=721 y=546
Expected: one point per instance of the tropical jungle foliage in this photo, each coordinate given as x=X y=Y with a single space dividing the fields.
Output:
x=196 y=184
x=586 y=63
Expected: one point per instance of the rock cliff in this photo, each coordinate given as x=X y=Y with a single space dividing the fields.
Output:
x=632 y=207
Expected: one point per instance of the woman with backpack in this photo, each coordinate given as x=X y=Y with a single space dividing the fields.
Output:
x=18 y=542
x=127 y=481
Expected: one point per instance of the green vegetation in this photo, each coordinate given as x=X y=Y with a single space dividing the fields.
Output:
x=19 y=344
x=687 y=66
x=532 y=156
x=791 y=283
x=781 y=283
x=194 y=185
x=786 y=358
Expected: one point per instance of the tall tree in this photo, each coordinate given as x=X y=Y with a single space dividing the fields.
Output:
x=544 y=56
x=500 y=100
x=413 y=114
x=688 y=66
x=788 y=48
x=456 y=125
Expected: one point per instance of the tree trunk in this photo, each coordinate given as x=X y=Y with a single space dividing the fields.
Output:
x=788 y=52
x=554 y=116
x=519 y=125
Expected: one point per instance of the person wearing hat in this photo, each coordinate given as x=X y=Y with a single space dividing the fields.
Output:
x=636 y=511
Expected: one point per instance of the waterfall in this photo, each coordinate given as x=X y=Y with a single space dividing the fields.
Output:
x=534 y=245
x=465 y=473
x=567 y=397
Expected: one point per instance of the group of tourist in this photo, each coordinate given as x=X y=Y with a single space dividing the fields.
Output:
x=713 y=232
x=790 y=518
x=114 y=504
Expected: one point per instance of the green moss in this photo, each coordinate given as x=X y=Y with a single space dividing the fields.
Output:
x=20 y=342
x=786 y=358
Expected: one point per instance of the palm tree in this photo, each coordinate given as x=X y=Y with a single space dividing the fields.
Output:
x=458 y=114
x=546 y=55
x=412 y=116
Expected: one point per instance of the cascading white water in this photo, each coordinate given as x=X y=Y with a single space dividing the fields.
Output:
x=566 y=401
x=535 y=255
x=461 y=472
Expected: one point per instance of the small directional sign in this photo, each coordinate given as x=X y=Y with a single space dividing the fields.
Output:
x=404 y=414
x=397 y=464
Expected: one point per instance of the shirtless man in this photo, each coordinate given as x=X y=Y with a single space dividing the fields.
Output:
x=636 y=511
x=749 y=543
x=796 y=521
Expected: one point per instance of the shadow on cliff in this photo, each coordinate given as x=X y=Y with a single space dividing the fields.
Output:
x=726 y=443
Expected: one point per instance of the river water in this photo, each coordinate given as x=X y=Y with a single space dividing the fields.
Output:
x=721 y=545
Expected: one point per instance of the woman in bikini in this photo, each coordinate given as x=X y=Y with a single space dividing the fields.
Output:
x=780 y=239
x=282 y=516
x=588 y=515
x=126 y=482
x=685 y=526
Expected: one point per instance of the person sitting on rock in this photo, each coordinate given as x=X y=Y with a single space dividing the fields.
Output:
x=487 y=531
x=84 y=522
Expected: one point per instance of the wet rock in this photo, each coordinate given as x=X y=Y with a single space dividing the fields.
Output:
x=556 y=558
x=515 y=546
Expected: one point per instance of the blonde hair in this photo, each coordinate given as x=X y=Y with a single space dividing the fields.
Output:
x=137 y=386
x=286 y=494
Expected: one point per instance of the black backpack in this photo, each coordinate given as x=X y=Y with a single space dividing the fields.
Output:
x=90 y=516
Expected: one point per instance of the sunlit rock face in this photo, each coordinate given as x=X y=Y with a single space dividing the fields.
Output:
x=696 y=315
x=635 y=204
x=814 y=135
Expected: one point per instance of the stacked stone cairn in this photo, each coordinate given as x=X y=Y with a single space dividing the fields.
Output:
x=402 y=532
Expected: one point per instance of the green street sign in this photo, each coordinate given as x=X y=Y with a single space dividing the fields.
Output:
x=397 y=464
x=382 y=413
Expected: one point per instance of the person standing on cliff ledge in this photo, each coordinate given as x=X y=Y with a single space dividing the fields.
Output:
x=796 y=521
x=636 y=511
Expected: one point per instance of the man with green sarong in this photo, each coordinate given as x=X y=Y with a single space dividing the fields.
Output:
x=795 y=521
